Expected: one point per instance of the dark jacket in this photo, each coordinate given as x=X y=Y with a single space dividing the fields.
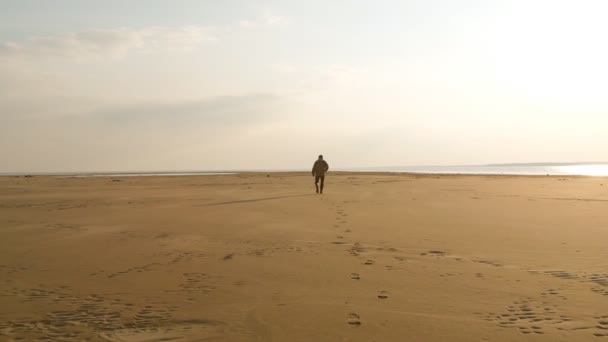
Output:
x=320 y=168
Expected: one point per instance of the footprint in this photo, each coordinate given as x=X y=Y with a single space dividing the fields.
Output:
x=353 y=319
x=369 y=262
x=563 y=275
x=356 y=249
x=355 y=276
x=382 y=294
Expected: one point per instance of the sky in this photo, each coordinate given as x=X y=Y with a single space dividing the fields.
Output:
x=155 y=85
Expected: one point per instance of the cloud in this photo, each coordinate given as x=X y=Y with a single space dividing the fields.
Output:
x=271 y=18
x=217 y=111
x=186 y=135
x=117 y=42
x=267 y=18
x=111 y=43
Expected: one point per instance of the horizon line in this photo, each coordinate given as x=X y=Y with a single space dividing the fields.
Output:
x=345 y=169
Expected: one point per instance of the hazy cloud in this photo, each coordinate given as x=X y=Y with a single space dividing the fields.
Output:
x=267 y=18
x=154 y=136
x=221 y=110
x=113 y=43
x=116 y=42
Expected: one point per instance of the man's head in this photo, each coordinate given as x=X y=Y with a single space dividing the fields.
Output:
x=320 y=156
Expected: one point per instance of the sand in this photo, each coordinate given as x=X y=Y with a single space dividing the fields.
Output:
x=251 y=257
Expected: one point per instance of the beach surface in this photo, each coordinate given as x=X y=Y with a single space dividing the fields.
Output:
x=261 y=257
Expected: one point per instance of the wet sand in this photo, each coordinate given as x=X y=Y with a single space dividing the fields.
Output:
x=251 y=257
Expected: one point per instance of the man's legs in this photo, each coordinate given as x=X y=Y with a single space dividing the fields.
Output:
x=317 y=183
x=322 y=182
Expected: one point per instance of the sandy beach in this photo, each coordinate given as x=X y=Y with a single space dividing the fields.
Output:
x=257 y=257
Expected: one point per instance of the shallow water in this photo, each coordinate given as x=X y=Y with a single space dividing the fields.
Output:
x=534 y=170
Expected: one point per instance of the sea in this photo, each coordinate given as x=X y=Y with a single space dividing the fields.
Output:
x=553 y=169
x=536 y=169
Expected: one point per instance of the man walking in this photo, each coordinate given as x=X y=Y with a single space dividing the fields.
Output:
x=318 y=171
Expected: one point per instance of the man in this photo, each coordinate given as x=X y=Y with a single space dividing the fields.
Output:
x=318 y=171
